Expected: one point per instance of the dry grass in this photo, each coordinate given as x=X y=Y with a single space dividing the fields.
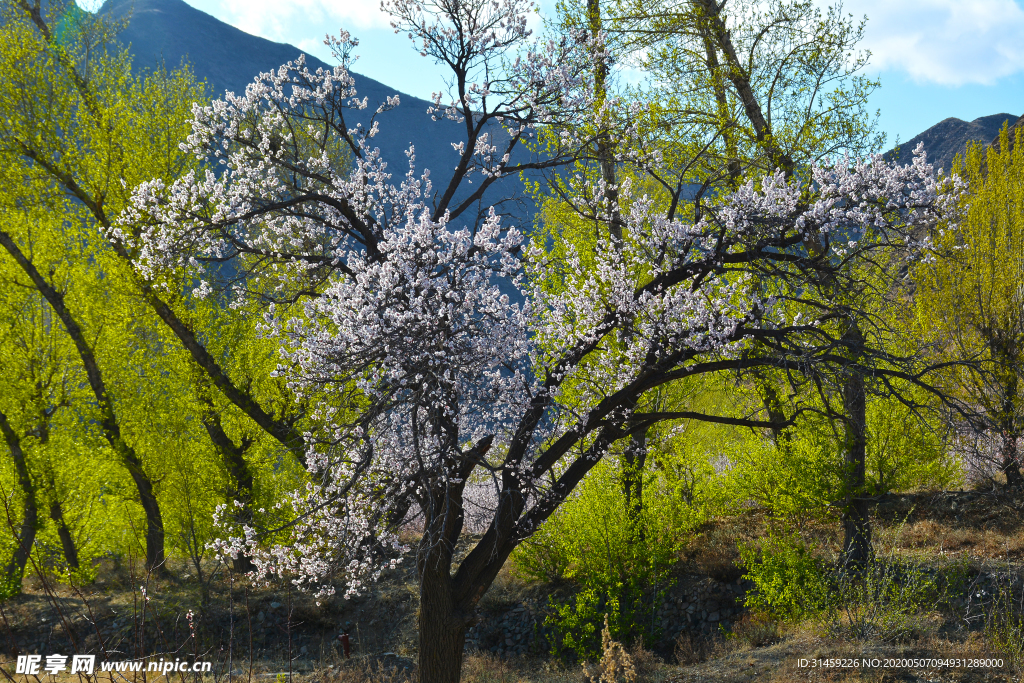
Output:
x=986 y=529
x=694 y=648
x=780 y=662
x=757 y=630
x=937 y=537
x=713 y=549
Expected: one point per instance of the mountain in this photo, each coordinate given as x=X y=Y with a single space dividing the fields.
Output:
x=949 y=137
x=165 y=32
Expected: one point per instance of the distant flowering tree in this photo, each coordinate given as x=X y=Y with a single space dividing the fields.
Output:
x=429 y=336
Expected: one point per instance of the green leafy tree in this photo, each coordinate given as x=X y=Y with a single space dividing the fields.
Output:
x=741 y=88
x=736 y=90
x=162 y=368
x=971 y=302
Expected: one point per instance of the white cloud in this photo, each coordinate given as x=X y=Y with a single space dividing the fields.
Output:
x=294 y=21
x=948 y=42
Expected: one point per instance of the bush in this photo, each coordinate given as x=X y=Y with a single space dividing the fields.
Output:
x=789 y=581
x=619 y=565
x=883 y=601
x=573 y=623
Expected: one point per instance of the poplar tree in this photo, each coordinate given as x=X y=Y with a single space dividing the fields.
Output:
x=971 y=302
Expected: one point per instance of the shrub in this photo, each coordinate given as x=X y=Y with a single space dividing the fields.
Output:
x=883 y=601
x=789 y=581
x=626 y=608
x=619 y=565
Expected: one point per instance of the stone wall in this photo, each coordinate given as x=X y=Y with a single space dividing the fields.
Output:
x=701 y=604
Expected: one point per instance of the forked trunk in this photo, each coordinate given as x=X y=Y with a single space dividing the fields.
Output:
x=442 y=630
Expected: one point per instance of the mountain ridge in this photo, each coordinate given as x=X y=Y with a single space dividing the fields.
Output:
x=950 y=137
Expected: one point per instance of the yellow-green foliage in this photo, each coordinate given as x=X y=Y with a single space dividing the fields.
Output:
x=79 y=130
x=789 y=579
x=803 y=474
x=590 y=537
x=971 y=298
x=906 y=451
x=687 y=481
x=619 y=573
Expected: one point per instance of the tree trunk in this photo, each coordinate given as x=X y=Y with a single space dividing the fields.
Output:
x=442 y=628
x=725 y=122
x=856 y=524
x=15 y=569
x=719 y=31
x=605 y=143
x=107 y=418
x=67 y=540
x=154 y=520
x=634 y=461
x=1010 y=465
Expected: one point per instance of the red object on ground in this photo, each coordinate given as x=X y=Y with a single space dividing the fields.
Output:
x=344 y=644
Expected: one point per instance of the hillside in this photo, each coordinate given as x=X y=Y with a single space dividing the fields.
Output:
x=949 y=137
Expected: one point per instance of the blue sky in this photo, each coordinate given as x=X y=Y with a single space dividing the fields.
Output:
x=936 y=58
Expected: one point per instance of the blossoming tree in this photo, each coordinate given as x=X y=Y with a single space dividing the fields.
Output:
x=429 y=335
